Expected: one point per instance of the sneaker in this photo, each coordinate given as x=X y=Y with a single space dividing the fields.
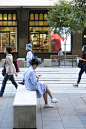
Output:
x=48 y=106
x=1 y=95
x=22 y=83
x=75 y=85
x=54 y=100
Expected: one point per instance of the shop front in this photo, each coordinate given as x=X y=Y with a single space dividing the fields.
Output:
x=8 y=31
x=39 y=31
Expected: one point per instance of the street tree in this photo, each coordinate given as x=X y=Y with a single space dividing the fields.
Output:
x=68 y=17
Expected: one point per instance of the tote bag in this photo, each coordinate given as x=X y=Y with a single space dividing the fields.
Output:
x=80 y=64
x=16 y=66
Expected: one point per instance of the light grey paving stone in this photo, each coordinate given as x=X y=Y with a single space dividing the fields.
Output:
x=49 y=112
x=5 y=124
x=51 y=118
x=71 y=121
x=75 y=128
x=8 y=118
x=80 y=109
x=52 y=124
x=84 y=122
x=66 y=110
x=4 y=128
x=82 y=116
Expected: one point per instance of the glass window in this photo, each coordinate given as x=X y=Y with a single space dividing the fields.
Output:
x=36 y=16
x=40 y=23
x=31 y=16
x=37 y=28
x=14 y=16
x=45 y=23
x=0 y=16
x=9 y=16
x=1 y=23
x=4 y=23
x=40 y=28
x=34 y=28
x=5 y=16
x=9 y=23
x=45 y=16
x=31 y=23
x=41 y=16
x=36 y=23
x=14 y=23
x=9 y=37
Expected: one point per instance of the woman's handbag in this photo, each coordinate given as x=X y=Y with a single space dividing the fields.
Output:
x=4 y=69
x=16 y=66
x=80 y=64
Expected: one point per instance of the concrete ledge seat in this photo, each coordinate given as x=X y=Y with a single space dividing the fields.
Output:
x=2 y=62
x=24 y=109
x=47 y=62
x=20 y=62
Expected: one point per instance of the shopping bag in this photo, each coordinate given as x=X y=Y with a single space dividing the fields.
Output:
x=16 y=66
x=80 y=64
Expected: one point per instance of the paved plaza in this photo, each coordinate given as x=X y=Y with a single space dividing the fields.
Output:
x=68 y=113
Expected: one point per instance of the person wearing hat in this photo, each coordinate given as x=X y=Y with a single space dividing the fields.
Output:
x=29 y=57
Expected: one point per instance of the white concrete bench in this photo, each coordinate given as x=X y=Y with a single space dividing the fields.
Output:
x=2 y=62
x=47 y=62
x=20 y=62
x=25 y=108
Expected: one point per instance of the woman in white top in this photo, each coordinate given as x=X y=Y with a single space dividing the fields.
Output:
x=31 y=83
x=10 y=70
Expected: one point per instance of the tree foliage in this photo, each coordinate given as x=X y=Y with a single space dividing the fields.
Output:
x=69 y=14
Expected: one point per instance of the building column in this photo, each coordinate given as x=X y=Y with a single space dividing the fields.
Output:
x=77 y=45
x=23 y=18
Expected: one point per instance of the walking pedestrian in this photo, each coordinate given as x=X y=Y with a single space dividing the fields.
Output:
x=83 y=68
x=10 y=70
x=31 y=83
x=29 y=57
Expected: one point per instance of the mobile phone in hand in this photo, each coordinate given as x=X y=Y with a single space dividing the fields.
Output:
x=39 y=75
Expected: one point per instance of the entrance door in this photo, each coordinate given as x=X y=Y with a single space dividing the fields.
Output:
x=4 y=40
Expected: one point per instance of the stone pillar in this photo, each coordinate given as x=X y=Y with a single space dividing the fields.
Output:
x=77 y=44
x=23 y=17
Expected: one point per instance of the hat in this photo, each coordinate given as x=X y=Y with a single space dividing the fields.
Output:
x=29 y=46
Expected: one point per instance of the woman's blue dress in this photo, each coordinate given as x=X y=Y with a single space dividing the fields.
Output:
x=31 y=82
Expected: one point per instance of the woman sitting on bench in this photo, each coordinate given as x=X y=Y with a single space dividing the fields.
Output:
x=31 y=83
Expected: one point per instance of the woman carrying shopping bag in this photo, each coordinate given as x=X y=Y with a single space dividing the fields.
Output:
x=10 y=70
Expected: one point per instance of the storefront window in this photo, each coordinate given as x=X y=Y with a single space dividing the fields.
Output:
x=40 y=39
x=31 y=16
x=36 y=16
x=14 y=16
x=9 y=23
x=4 y=23
x=36 y=23
x=40 y=16
x=0 y=16
x=39 y=33
x=8 y=37
x=5 y=17
x=45 y=16
x=40 y=23
x=9 y=16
